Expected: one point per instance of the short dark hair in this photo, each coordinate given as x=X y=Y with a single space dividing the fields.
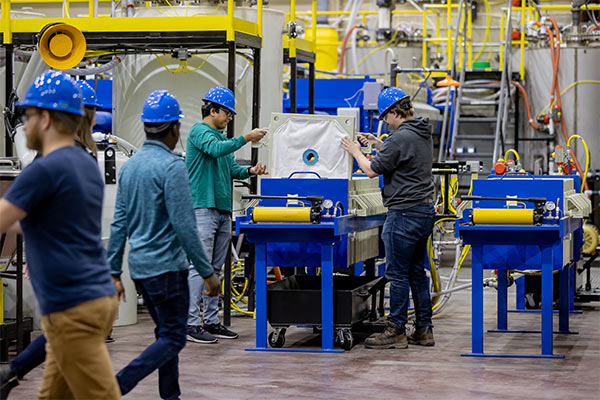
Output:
x=403 y=108
x=207 y=106
x=65 y=122
x=159 y=130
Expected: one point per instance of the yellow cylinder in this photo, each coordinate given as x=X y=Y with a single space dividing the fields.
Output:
x=327 y=47
x=503 y=216
x=281 y=214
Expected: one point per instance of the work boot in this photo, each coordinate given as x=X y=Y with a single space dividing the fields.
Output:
x=8 y=380
x=422 y=336
x=390 y=338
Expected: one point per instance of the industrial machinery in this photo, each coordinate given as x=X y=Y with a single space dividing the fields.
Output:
x=521 y=222
x=311 y=212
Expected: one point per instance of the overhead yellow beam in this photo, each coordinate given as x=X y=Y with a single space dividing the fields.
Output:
x=139 y=24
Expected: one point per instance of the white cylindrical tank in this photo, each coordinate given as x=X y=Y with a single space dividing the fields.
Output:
x=139 y=75
x=127 y=313
x=579 y=103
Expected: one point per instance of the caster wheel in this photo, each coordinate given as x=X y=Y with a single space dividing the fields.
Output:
x=347 y=340
x=277 y=338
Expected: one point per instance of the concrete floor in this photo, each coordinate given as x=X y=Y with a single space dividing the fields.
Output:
x=226 y=371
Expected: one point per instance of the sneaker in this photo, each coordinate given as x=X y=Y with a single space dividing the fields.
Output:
x=390 y=338
x=197 y=334
x=8 y=380
x=220 y=331
x=422 y=336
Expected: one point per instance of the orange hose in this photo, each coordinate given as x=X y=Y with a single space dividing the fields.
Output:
x=555 y=53
x=532 y=122
x=343 y=51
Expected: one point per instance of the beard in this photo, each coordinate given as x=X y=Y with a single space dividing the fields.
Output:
x=33 y=140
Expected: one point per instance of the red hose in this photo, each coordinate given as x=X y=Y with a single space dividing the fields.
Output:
x=343 y=51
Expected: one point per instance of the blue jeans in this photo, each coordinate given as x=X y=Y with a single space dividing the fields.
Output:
x=405 y=234
x=32 y=356
x=214 y=229
x=166 y=297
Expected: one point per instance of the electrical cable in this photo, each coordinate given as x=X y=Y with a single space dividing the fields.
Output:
x=587 y=158
x=379 y=48
x=551 y=104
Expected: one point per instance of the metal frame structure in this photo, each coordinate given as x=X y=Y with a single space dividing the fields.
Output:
x=326 y=234
x=296 y=50
x=132 y=34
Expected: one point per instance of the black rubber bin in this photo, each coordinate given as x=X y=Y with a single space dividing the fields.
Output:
x=296 y=300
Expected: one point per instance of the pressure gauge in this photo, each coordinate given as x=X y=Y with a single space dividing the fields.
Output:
x=327 y=204
x=550 y=206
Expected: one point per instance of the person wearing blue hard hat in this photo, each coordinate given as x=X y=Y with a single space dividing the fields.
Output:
x=84 y=133
x=58 y=201
x=212 y=167
x=35 y=353
x=154 y=210
x=405 y=161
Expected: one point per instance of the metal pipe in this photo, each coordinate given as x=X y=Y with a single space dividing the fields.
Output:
x=442 y=151
x=255 y=113
x=311 y=88
x=506 y=65
x=259 y=17
x=460 y=88
x=293 y=85
x=8 y=85
x=231 y=45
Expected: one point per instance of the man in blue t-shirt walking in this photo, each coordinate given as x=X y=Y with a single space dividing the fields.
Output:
x=154 y=210
x=58 y=202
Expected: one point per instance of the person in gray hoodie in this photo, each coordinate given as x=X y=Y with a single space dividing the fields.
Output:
x=405 y=161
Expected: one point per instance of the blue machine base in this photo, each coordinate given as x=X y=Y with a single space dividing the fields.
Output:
x=511 y=355
x=293 y=350
x=517 y=331
x=539 y=311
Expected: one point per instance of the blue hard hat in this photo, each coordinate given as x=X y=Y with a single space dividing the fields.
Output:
x=161 y=106
x=222 y=96
x=54 y=90
x=387 y=98
x=89 y=96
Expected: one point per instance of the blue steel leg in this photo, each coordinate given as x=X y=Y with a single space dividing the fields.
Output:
x=564 y=294
x=261 y=294
x=477 y=300
x=572 y=287
x=502 y=300
x=327 y=296
x=520 y=282
x=547 y=268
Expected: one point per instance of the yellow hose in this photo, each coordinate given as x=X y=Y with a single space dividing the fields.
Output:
x=587 y=158
x=512 y=151
x=486 y=35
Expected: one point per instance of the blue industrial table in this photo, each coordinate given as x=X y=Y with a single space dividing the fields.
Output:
x=326 y=233
x=482 y=239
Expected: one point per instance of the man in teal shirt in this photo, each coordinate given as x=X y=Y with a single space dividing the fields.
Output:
x=212 y=167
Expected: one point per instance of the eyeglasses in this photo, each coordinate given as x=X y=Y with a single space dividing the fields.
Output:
x=24 y=117
x=227 y=112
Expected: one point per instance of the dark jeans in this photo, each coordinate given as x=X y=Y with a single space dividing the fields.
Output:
x=167 y=299
x=405 y=234
x=32 y=356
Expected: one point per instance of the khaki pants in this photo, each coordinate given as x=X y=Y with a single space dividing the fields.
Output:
x=77 y=361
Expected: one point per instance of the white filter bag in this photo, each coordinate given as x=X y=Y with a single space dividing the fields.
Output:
x=309 y=145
